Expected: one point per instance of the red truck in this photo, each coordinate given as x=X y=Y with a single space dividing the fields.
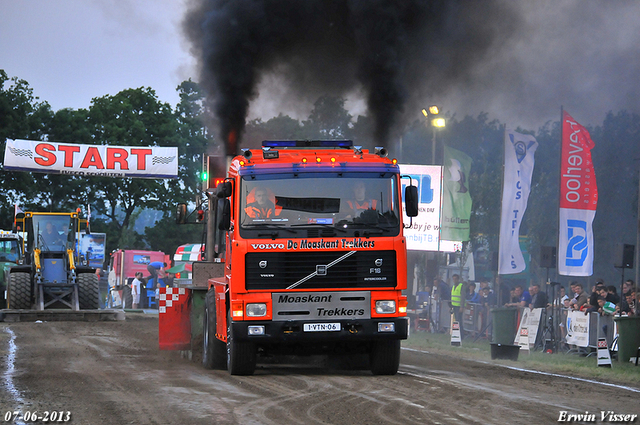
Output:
x=122 y=270
x=308 y=237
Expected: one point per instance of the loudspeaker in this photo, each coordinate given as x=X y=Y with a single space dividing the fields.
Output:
x=548 y=257
x=624 y=256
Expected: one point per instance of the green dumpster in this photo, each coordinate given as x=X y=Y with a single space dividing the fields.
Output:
x=505 y=325
x=628 y=337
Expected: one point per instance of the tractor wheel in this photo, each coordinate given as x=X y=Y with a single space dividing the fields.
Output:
x=88 y=293
x=19 y=291
x=241 y=356
x=214 y=353
x=385 y=357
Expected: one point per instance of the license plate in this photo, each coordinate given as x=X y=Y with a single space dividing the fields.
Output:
x=321 y=327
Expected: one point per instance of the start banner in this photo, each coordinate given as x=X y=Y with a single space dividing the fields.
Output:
x=151 y=162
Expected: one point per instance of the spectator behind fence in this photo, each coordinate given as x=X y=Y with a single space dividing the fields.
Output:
x=523 y=298
x=538 y=298
x=580 y=298
x=487 y=298
x=562 y=295
x=441 y=290
x=613 y=294
x=422 y=296
x=628 y=303
x=595 y=293
x=472 y=296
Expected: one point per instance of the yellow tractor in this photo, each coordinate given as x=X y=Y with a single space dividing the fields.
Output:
x=52 y=275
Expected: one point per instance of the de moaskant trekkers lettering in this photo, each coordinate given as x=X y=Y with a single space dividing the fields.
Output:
x=322 y=244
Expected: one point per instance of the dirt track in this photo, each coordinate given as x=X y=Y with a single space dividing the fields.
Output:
x=113 y=373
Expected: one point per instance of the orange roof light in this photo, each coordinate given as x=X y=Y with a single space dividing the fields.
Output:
x=304 y=160
x=318 y=160
x=394 y=161
x=333 y=159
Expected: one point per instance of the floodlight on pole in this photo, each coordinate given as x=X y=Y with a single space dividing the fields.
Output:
x=432 y=113
x=438 y=122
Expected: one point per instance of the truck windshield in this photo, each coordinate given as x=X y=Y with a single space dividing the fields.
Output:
x=363 y=202
x=52 y=231
x=9 y=250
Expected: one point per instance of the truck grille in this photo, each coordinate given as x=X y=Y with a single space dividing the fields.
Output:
x=280 y=270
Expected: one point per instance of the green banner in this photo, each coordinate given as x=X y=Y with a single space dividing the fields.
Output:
x=456 y=201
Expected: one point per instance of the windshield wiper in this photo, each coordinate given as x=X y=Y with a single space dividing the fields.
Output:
x=360 y=225
x=326 y=226
x=268 y=225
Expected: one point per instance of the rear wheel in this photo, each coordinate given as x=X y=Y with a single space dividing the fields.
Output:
x=19 y=291
x=241 y=356
x=214 y=352
x=385 y=357
x=88 y=291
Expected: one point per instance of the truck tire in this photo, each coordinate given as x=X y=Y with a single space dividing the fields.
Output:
x=241 y=356
x=385 y=357
x=88 y=291
x=19 y=291
x=214 y=351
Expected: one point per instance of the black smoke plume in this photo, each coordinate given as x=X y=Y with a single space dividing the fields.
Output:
x=391 y=50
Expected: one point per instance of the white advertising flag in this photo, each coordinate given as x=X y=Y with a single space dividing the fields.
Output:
x=153 y=162
x=424 y=233
x=519 y=150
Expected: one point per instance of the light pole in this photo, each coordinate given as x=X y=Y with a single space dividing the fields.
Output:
x=436 y=122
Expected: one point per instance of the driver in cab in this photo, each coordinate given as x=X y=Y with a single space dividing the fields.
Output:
x=262 y=206
x=50 y=236
x=360 y=202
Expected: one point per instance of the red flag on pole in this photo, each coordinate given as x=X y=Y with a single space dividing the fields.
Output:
x=578 y=200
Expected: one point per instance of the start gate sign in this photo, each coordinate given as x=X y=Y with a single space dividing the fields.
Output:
x=153 y=162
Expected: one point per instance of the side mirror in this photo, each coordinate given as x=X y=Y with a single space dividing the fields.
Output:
x=224 y=189
x=181 y=213
x=411 y=201
x=224 y=207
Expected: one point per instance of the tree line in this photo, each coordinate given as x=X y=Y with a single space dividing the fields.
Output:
x=136 y=117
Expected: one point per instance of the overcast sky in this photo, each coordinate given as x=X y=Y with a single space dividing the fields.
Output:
x=582 y=55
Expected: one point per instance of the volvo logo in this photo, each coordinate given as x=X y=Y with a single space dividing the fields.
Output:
x=263 y=264
x=378 y=262
x=321 y=270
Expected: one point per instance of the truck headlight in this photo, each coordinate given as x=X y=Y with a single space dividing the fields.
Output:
x=256 y=309
x=386 y=307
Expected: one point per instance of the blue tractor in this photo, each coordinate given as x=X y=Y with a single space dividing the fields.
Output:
x=52 y=275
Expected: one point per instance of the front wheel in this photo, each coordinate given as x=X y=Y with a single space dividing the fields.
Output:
x=214 y=355
x=88 y=291
x=19 y=291
x=241 y=356
x=385 y=357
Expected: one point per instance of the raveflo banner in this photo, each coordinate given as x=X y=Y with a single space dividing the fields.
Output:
x=519 y=151
x=152 y=162
x=578 y=200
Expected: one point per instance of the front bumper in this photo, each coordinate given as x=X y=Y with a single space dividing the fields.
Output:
x=292 y=331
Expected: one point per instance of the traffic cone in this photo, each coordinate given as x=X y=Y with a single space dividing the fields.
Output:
x=523 y=342
x=604 y=357
x=455 y=334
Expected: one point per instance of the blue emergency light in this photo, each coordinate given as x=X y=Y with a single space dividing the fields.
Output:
x=307 y=144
